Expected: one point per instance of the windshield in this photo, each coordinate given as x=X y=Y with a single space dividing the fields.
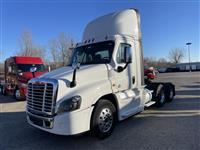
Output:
x=97 y=53
x=26 y=67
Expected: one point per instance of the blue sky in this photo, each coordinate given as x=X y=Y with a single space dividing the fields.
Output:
x=165 y=24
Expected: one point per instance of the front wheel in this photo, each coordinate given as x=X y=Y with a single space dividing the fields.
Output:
x=17 y=94
x=103 y=119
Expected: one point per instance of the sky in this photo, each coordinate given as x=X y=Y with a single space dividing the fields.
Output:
x=165 y=24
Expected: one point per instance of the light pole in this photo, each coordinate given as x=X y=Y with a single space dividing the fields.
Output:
x=188 y=44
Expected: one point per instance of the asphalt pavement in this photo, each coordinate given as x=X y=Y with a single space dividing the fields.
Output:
x=176 y=126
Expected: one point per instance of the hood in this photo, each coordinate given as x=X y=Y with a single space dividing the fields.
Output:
x=88 y=78
x=86 y=73
x=29 y=75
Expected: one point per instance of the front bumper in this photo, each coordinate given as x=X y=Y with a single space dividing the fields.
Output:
x=68 y=123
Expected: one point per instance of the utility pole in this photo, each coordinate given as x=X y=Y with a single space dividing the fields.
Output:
x=188 y=44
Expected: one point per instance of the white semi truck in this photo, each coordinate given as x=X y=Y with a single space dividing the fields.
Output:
x=103 y=84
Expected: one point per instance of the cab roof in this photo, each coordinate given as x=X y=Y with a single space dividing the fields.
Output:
x=26 y=60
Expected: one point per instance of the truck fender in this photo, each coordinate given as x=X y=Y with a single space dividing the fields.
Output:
x=110 y=97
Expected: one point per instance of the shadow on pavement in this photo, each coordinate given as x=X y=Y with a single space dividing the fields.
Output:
x=197 y=82
x=188 y=92
x=191 y=86
x=7 y=99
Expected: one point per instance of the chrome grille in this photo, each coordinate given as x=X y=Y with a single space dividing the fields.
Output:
x=40 y=97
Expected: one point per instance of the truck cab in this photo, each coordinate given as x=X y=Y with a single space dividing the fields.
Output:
x=17 y=74
x=103 y=84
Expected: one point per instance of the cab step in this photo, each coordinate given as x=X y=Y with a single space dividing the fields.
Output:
x=150 y=103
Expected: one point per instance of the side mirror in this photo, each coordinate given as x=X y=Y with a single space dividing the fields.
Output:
x=127 y=59
x=49 y=68
x=128 y=55
x=75 y=65
x=9 y=69
x=33 y=70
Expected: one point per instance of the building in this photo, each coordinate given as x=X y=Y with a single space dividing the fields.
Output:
x=195 y=66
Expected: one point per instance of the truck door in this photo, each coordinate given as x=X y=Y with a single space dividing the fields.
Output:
x=128 y=93
x=10 y=75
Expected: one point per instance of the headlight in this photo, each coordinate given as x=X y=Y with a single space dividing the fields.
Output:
x=69 y=104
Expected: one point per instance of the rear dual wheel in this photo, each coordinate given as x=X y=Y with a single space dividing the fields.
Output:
x=160 y=96
x=163 y=93
x=169 y=92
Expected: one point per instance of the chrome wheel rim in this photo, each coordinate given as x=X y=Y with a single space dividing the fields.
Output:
x=162 y=99
x=105 y=120
x=171 y=94
x=17 y=94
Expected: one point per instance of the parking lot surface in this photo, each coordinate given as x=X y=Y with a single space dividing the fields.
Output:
x=176 y=126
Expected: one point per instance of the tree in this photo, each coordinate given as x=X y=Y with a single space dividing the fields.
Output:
x=156 y=62
x=163 y=63
x=28 y=47
x=61 y=49
x=150 y=62
x=176 y=55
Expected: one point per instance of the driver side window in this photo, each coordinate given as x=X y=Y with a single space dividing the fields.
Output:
x=121 y=53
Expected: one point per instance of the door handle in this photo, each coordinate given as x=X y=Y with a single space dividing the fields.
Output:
x=133 y=79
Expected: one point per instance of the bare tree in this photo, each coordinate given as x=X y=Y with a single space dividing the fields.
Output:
x=156 y=62
x=163 y=63
x=55 y=54
x=28 y=47
x=61 y=49
x=26 y=44
x=150 y=62
x=176 y=55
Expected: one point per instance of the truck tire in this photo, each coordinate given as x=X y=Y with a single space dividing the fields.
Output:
x=160 y=95
x=169 y=92
x=103 y=119
x=17 y=95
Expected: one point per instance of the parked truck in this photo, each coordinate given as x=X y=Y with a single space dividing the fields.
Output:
x=103 y=84
x=17 y=74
